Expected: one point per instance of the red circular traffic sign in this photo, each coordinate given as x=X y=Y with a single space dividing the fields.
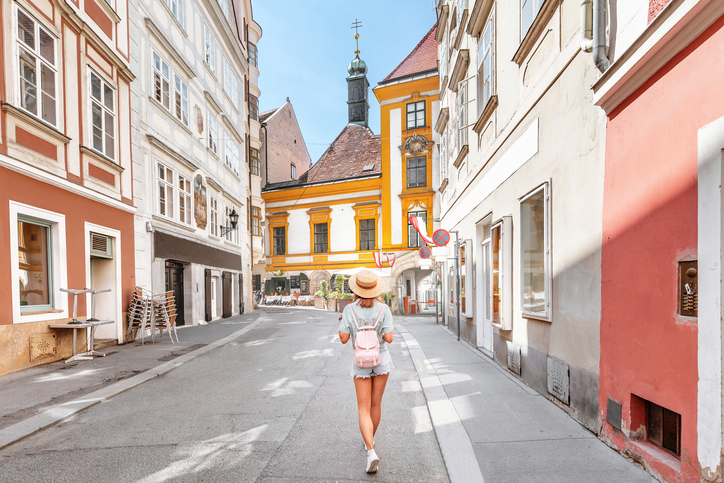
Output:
x=425 y=252
x=441 y=237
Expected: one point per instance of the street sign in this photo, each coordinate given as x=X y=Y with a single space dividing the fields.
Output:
x=441 y=237
x=425 y=252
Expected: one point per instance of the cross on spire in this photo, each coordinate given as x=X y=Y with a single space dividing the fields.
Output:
x=355 y=25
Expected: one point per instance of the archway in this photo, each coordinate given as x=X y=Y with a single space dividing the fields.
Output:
x=316 y=277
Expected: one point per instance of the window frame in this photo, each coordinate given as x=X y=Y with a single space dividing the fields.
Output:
x=177 y=10
x=410 y=229
x=231 y=236
x=255 y=163
x=49 y=254
x=214 y=216
x=253 y=55
x=253 y=107
x=231 y=155
x=104 y=110
x=537 y=4
x=415 y=111
x=155 y=55
x=417 y=168
x=40 y=61
x=489 y=49
x=370 y=222
x=178 y=93
x=57 y=264
x=255 y=221
x=293 y=171
x=209 y=50
x=323 y=245
x=462 y=108
x=547 y=267
x=443 y=155
x=277 y=248
x=184 y=198
x=167 y=184
x=212 y=135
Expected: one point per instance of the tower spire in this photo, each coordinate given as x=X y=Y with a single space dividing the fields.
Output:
x=356 y=25
x=357 y=85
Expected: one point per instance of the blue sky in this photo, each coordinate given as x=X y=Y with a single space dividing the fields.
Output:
x=307 y=45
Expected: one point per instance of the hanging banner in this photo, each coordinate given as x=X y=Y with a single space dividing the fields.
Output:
x=378 y=259
x=419 y=223
x=391 y=261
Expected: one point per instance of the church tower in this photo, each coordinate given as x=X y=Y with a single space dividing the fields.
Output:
x=357 y=87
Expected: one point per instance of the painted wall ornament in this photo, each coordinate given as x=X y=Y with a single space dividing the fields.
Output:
x=199 y=119
x=415 y=145
x=200 y=202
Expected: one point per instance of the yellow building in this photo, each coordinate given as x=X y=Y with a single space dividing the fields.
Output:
x=355 y=200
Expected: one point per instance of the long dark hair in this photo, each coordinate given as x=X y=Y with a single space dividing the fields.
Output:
x=365 y=302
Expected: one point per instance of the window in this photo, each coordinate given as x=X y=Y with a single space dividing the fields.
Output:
x=184 y=200
x=462 y=115
x=663 y=428
x=253 y=55
x=367 y=234
x=177 y=9
x=224 y=7
x=210 y=50
x=231 y=155
x=213 y=216
x=535 y=268
x=256 y=220
x=444 y=58
x=230 y=235
x=36 y=66
x=415 y=114
x=486 y=64
x=279 y=241
x=321 y=238
x=35 y=264
x=496 y=239
x=255 y=165
x=417 y=172
x=443 y=155
x=528 y=11
x=102 y=116
x=165 y=191
x=413 y=237
x=181 y=99
x=227 y=77
x=213 y=134
x=253 y=106
x=235 y=93
x=161 y=80
x=294 y=171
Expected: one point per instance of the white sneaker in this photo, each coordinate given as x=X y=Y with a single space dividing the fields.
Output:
x=372 y=461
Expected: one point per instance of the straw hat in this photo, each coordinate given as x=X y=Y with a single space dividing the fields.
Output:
x=366 y=284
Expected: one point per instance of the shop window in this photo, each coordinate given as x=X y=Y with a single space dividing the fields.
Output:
x=367 y=234
x=213 y=216
x=415 y=114
x=37 y=68
x=103 y=116
x=413 y=237
x=255 y=220
x=321 y=238
x=496 y=239
x=34 y=264
x=535 y=252
x=417 y=172
x=185 y=207
x=165 y=179
x=255 y=165
x=279 y=240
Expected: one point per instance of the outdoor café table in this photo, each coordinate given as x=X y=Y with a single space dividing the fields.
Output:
x=88 y=355
x=273 y=299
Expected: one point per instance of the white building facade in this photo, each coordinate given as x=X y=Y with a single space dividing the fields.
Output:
x=195 y=107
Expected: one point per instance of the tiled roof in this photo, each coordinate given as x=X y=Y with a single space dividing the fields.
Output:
x=355 y=149
x=422 y=58
x=267 y=114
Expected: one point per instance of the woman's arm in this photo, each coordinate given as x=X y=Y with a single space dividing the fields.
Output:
x=345 y=337
x=388 y=337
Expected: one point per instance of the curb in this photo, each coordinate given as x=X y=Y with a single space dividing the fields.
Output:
x=455 y=445
x=17 y=432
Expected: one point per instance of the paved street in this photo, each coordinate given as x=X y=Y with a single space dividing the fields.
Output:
x=276 y=404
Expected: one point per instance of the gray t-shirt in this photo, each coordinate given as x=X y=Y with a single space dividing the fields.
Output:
x=366 y=316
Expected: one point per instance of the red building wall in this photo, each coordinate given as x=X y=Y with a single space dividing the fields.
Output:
x=649 y=225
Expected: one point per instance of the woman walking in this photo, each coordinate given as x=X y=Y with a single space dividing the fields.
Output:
x=369 y=382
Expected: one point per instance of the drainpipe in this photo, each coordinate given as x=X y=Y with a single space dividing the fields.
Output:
x=586 y=33
x=599 y=35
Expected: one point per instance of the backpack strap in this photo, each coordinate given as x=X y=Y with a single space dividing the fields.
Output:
x=353 y=316
x=378 y=318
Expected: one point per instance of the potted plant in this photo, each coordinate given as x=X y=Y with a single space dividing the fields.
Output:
x=321 y=296
x=332 y=300
x=387 y=297
x=345 y=300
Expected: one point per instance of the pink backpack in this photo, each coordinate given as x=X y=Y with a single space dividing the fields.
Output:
x=367 y=343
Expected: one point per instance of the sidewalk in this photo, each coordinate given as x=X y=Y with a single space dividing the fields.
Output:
x=31 y=392
x=514 y=432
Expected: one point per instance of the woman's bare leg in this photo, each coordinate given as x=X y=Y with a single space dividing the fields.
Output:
x=363 y=386
x=378 y=390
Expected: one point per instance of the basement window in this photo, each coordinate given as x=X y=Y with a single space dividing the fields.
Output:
x=663 y=428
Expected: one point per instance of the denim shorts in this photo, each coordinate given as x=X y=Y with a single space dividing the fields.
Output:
x=384 y=367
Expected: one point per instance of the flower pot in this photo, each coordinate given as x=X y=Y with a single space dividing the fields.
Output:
x=319 y=303
x=332 y=304
x=342 y=303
